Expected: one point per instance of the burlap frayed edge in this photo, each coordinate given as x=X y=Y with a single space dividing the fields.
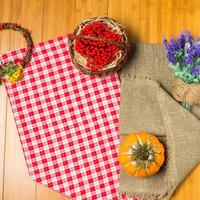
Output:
x=144 y=80
x=140 y=196
x=143 y=196
x=170 y=140
x=171 y=171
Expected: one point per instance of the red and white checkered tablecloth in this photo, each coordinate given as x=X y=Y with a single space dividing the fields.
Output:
x=67 y=123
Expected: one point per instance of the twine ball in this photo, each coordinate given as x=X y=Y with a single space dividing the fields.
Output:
x=184 y=92
x=99 y=46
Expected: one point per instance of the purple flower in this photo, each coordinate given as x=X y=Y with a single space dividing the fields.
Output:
x=197 y=49
x=187 y=36
x=190 y=55
x=196 y=70
x=166 y=43
x=172 y=57
x=172 y=48
x=184 y=55
x=181 y=41
x=183 y=49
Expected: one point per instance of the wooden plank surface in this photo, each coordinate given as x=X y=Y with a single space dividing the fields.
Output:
x=17 y=184
x=147 y=21
x=4 y=46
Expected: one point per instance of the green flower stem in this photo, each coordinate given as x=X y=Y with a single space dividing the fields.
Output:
x=186 y=106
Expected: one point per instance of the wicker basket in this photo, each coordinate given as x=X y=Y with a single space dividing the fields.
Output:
x=80 y=60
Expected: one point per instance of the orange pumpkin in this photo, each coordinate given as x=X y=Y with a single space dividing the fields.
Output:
x=141 y=154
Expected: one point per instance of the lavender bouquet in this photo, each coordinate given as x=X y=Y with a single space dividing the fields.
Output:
x=183 y=54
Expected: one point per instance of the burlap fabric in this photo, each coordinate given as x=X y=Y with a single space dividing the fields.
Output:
x=147 y=105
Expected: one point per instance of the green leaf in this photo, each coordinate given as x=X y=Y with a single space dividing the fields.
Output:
x=197 y=60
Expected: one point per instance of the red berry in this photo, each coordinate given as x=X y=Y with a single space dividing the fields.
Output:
x=98 y=54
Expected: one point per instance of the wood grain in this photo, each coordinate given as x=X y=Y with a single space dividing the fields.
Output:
x=89 y=8
x=59 y=18
x=16 y=178
x=146 y=21
x=4 y=46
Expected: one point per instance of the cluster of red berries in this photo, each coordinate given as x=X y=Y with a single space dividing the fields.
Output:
x=98 y=53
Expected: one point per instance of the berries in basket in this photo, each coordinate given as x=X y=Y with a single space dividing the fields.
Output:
x=99 y=46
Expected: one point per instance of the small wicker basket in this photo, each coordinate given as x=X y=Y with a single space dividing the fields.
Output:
x=80 y=61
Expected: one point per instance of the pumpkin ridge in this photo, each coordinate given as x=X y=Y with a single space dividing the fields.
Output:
x=145 y=154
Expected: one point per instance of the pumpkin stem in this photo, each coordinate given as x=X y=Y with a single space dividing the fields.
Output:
x=143 y=155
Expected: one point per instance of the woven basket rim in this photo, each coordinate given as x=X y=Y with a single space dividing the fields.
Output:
x=124 y=51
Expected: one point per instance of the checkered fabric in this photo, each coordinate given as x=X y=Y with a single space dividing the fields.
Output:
x=67 y=123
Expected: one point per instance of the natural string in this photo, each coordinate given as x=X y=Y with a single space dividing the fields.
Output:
x=184 y=92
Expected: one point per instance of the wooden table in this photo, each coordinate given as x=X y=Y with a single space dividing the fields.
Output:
x=146 y=21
